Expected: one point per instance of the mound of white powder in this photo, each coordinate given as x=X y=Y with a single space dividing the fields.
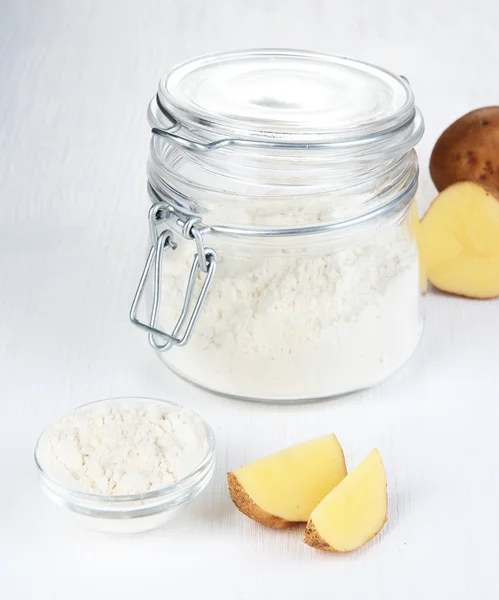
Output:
x=122 y=449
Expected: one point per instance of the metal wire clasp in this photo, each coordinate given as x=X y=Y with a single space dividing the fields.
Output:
x=205 y=260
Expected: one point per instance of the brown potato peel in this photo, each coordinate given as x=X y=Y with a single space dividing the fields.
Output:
x=468 y=150
x=249 y=508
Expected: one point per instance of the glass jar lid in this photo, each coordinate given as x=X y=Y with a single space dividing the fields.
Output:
x=286 y=96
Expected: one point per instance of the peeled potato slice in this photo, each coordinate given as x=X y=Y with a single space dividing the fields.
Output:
x=354 y=512
x=459 y=241
x=284 y=488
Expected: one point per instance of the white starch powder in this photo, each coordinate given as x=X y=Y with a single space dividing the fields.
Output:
x=120 y=449
x=295 y=327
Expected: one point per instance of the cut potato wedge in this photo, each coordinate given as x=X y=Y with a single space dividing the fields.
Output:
x=354 y=512
x=459 y=241
x=284 y=488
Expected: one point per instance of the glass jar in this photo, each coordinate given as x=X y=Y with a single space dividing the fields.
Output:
x=283 y=260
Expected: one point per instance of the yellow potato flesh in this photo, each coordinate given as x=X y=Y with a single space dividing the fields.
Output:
x=459 y=241
x=354 y=512
x=290 y=483
x=415 y=229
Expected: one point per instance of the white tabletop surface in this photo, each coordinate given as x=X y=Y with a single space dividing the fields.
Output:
x=76 y=78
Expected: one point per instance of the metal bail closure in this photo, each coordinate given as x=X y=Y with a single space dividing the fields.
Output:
x=187 y=320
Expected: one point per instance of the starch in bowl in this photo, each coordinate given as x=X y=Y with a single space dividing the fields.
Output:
x=125 y=464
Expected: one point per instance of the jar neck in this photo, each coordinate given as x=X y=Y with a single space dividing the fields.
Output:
x=277 y=192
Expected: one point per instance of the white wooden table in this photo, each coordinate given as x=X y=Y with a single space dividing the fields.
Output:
x=76 y=78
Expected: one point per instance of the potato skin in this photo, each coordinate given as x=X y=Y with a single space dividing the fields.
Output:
x=468 y=150
x=246 y=505
x=313 y=539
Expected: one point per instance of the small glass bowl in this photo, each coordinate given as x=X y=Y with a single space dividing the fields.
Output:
x=132 y=513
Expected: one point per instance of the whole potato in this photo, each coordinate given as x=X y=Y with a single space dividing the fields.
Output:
x=468 y=150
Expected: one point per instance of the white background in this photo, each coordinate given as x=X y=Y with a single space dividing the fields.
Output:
x=76 y=77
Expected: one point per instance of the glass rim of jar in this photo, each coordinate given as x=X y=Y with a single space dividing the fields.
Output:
x=358 y=106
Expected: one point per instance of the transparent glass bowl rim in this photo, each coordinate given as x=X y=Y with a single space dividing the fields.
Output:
x=185 y=482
